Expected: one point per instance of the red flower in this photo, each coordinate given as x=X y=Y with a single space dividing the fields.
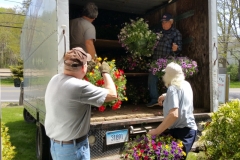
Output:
x=117 y=105
x=117 y=74
x=100 y=82
x=159 y=144
x=101 y=109
x=139 y=145
x=121 y=71
x=146 y=158
x=142 y=150
x=154 y=147
x=86 y=78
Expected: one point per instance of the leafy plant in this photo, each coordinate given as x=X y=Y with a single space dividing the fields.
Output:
x=8 y=151
x=147 y=147
x=233 y=71
x=189 y=66
x=137 y=39
x=17 y=70
x=221 y=136
x=119 y=80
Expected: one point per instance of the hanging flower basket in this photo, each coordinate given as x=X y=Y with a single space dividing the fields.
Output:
x=189 y=66
x=137 y=39
x=119 y=79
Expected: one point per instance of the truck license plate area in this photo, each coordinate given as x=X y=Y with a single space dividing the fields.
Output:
x=118 y=136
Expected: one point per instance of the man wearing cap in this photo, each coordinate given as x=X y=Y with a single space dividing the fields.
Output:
x=68 y=101
x=177 y=107
x=82 y=31
x=170 y=44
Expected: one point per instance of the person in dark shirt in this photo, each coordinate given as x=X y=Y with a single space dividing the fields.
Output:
x=170 y=44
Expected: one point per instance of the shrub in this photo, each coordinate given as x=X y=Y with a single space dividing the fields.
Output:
x=233 y=71
x=221 y=137
x=8 y=151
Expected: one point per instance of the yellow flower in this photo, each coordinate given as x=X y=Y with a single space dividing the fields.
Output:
x=105 y=59
x=96 y=67
x=183 y=153
x=180 y=144
x=126 y=98
x=90 y=73
x=99 y=59
x=113 y=60
x=166 y=146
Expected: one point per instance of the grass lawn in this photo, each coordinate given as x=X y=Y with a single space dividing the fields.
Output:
x=235 y=84
x=22 y=134
x=7 y=81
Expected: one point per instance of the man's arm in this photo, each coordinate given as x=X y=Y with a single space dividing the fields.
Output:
x=167 y=122
x=90 y=48
x=110 y=86
x=178 y=41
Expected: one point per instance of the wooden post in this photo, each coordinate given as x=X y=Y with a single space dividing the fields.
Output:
x=21 y=94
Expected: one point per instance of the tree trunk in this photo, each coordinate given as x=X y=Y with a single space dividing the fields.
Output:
x=238 y=69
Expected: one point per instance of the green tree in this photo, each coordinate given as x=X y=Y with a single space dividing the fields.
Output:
x=228 y=31
x=10 y=31
x=17 y=70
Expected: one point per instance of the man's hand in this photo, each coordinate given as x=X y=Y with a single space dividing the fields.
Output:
x=104 y=68
x=153 y=132
x=174 y=47
x=161 y=99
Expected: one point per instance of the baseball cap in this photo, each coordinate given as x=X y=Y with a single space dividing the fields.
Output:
x=166 y=17
x=173 y=69
x=76 y=57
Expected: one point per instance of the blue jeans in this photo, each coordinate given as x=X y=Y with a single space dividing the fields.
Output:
x=77 y=151
x=153 y=88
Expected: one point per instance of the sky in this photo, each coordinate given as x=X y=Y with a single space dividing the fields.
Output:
x=10 y=3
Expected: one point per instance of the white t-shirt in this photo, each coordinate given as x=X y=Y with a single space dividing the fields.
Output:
x=183 y=100
x=68 y=110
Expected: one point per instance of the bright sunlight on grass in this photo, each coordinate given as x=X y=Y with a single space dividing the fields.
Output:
x=235 y=84
x=7 y=81
x=22 y=134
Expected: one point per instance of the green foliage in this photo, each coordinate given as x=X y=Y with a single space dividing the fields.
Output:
x=221 y=136
x=10 y=31
x=8 y=151
x=233 y=71
x=22 y=133
x=17 y=70
x=7 y=81
x=235 y=84
x=137 y=38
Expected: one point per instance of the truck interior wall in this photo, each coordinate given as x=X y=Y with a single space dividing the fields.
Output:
x=191 y=19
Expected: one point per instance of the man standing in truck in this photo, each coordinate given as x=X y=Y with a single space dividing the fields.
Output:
x=170 y=44
x=68 y=101
x=82 y=31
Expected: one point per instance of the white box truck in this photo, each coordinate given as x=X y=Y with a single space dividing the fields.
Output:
x=45 y=37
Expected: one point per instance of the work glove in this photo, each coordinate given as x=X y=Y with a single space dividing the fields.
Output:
x=91 y=66
x=104 y=68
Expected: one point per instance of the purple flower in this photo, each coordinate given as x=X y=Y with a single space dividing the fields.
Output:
x=191 y=73
x=189 y=65
x=165 y=153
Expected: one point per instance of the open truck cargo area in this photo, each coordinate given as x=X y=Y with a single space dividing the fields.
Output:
x=45 y=38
